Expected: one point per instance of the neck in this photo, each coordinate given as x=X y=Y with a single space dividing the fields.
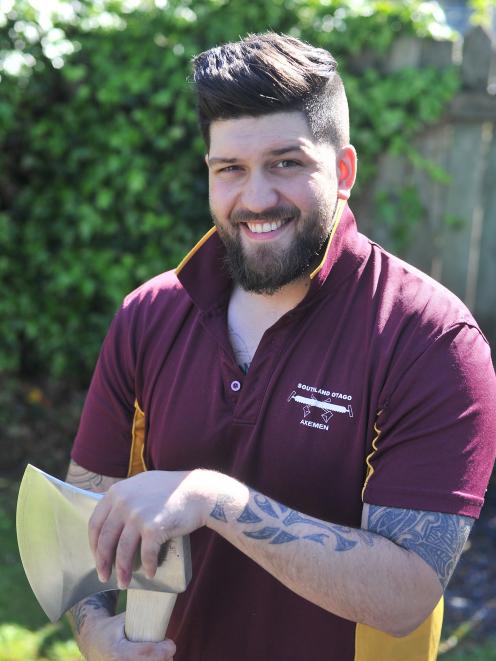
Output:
x=276 y=304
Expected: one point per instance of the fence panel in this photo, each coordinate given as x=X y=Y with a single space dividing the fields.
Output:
x=485 y=299
x=455 y=238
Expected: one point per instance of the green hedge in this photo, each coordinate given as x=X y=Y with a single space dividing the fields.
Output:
x=102 y=182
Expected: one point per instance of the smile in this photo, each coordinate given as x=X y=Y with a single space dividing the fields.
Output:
x=264 y=228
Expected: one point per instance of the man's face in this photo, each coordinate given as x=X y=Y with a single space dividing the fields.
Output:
x=273 y=193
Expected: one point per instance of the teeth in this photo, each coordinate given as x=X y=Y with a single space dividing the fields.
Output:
x=261 y=228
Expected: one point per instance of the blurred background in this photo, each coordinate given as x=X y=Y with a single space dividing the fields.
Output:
x=103 y=185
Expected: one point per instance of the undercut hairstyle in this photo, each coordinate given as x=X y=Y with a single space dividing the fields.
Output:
x=268 y=73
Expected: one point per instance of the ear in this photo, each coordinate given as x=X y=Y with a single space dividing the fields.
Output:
x=346 y=164
x=206 y=159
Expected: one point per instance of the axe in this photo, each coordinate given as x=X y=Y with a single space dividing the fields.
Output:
x=52 y=535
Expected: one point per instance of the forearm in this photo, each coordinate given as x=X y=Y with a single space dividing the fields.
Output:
x=350 y=572
x=83 y=613
x=102 y=604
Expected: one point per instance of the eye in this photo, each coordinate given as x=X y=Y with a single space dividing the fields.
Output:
x=287 y=163
x=229 y=168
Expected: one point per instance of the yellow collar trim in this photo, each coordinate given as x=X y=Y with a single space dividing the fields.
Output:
x=337 y=217
x=195 y=249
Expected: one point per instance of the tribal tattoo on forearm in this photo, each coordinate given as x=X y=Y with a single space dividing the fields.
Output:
x=84 y=479
x=283 y=521
x=103 y=601
x=437 y=538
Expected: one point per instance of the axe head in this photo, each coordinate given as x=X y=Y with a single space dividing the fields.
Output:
x=52 y=534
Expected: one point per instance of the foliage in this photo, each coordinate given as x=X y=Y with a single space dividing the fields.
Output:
x=18 y=643
x=102 y=183
x=473 y=652
x=482 y=11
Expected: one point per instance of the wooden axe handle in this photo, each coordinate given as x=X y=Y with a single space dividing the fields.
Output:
x=148 y=614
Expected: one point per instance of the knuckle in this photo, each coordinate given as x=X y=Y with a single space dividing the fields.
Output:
x=117 y=495
x=150 y=541
x=113 y=489
x=134 y=516
x=125 y=547
x=105 y=539
x=150 y=532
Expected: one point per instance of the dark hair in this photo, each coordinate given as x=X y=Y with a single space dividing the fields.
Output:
x=268 y=73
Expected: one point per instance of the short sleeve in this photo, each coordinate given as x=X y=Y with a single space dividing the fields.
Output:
x=435 y=437
x=103 y=440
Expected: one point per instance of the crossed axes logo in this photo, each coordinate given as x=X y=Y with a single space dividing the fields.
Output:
x=327 y=406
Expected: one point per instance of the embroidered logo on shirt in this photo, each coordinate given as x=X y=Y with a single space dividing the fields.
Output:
x=323 y=408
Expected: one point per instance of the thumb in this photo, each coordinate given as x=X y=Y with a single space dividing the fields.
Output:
x=168 y=647
x=163 y=651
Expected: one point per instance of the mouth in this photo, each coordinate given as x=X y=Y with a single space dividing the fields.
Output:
x=265 y=229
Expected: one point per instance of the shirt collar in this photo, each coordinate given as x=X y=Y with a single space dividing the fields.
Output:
x=204 y=275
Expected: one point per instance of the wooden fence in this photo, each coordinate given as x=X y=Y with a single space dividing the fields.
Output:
x=455 y=240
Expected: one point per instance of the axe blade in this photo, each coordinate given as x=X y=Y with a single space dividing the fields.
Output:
x=52 y=535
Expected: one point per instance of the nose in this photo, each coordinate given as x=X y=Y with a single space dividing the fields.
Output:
x=258 y=192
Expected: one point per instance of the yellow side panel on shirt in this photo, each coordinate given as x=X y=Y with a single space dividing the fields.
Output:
x=421 y=645
x=136 y=457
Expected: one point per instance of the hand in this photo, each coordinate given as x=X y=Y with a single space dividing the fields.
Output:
x=103 y=639
x=151 y=507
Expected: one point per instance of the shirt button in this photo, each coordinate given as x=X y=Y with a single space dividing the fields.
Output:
x=235 y=385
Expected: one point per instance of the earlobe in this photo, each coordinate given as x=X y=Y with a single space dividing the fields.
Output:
x=347 y=169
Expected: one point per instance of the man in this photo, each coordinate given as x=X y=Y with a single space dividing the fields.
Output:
x=317 y=413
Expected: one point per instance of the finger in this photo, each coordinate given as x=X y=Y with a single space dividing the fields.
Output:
x=163 y=651
x=168 y=649
x=106 y=546
x=130 y=651
x=97 y=519
x=150 y=548
x=124 y=555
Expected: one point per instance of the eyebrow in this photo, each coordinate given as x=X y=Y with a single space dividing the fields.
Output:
x=273 y=152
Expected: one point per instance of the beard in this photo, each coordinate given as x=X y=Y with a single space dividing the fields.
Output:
x=267 y=268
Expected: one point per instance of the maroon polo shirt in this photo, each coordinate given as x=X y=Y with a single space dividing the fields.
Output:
x=379 y=381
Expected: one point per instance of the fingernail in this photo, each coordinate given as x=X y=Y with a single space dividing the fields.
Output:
x=102 y=575
x=123 y=580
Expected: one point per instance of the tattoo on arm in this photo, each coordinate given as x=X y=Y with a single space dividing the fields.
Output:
x=104 y=601
x=219 y=508
x=281 y=525
x=437 y=538
x=85 y=479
